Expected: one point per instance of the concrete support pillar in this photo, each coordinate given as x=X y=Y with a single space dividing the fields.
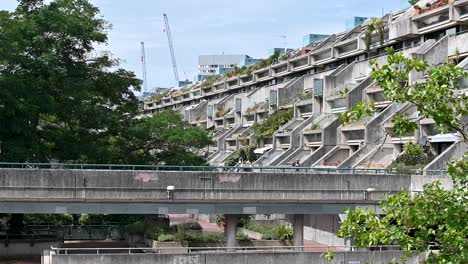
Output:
x=230 y=231
x=298 y=231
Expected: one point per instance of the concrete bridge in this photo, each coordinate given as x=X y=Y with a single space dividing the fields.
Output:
x=214 y=192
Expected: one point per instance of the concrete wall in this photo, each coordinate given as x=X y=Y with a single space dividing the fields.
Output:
x=105 y=185
x=455 y=151
x=143 y=192
x=236 y=258
x=322 y=229
x=24 y=248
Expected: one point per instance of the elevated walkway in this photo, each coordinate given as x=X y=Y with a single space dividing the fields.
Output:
x=210 y=190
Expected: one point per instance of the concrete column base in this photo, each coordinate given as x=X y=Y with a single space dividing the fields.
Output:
x=298 y=231
x=230 y=231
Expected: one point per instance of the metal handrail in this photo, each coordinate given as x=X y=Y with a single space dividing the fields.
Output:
x=284 y=169
x=190 y=250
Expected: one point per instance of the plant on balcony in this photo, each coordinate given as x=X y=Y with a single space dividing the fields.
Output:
x=305 y=96
x=210 y=80
x=377 y=25
x=315 y=126
x=272 y=123
x=433 y=6
x=245 y=154
x=414 y=156
x=221 y=111
x=413 y=2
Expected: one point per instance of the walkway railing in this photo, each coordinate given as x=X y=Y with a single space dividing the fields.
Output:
x=197 y=250
x=279 y=169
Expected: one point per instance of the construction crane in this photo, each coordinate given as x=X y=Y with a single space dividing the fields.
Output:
x=143 y=65
x=171 y=47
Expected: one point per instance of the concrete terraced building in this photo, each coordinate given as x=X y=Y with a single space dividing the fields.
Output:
x=318 y=83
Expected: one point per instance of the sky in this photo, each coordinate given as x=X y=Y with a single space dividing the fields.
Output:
x=201 y=27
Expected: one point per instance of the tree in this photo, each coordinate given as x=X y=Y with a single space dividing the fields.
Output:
x=59 y=99
x=435 y=218
x=161 y=139
x=413 y=2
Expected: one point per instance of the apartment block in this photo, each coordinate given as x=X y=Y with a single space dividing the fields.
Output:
x=320 y=82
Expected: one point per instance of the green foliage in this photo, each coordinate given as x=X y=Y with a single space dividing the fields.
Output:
x=191 y=226
x=60 y=99
x=315 y=126
x=105 y=219
x=328 y=255
x=51 y=219
x=245 y=154
x=137 y=228
x=359 y=111
x=435 y=217
x=221 y=111
x=210 y=81
x=413 y=2
x=285 y=232
x=376 y=24
x=242 y=237
x=244 y=220
x=305 y=96
x=413 y=155
x=437 y=98
x=208 y=237
x=272 y=123
x=165 y=238
x=163 y=138
x=257 y=66
x=403 y=126
x=272 y=231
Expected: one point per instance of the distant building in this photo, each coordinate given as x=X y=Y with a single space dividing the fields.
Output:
x=280 y=50
x=184 y=83
x=312 y=38
x=354 y=22
x=209 y=65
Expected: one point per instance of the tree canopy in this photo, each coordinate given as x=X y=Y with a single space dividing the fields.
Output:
x=63 y=100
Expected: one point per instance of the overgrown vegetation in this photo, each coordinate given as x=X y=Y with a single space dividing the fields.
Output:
x=315 y=126
x=244 y=154
x=305 y=96
x=221 y=111
x=414 y=156
x=243 y=220
x=272 y=123
x=271 y=231
x=257 y=66
x=376 y=25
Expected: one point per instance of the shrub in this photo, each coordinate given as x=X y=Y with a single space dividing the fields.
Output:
x=271 y=231
x=245 y=153
x=285 y=232
x=209 y=237
x=165 y=238
x=137 y=228
x=315 y=126
x=190 y=226
x=272 y=123
x=242 y=237
x=244 y=220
